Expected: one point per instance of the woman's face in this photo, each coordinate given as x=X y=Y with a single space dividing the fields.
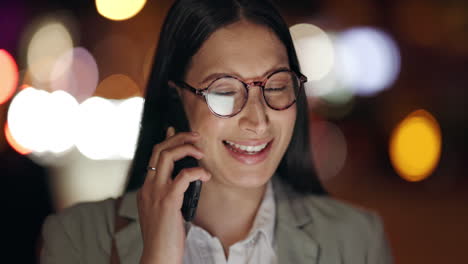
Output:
x=247 y=51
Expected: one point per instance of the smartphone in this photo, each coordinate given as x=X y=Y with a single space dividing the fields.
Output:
x=192 y=194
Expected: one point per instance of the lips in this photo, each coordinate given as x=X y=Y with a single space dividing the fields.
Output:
x=247 y=149
x=248 y=152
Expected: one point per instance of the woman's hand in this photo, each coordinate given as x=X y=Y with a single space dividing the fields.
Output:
x=160 y=198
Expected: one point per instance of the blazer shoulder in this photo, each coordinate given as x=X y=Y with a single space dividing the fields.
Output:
x=82 y=220
x=87 y=212
x=342 y=215
x=78 y=232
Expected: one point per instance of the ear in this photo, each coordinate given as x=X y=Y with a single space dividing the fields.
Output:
x=175 y=87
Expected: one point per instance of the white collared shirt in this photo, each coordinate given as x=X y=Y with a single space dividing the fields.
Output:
x=258 y=247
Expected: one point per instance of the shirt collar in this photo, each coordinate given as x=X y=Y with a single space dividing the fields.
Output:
x=264 y=221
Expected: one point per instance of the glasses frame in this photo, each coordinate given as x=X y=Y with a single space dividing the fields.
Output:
x=203 y=92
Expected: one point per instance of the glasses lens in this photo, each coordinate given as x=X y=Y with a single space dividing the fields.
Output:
x=226 y=96
x=281 y=89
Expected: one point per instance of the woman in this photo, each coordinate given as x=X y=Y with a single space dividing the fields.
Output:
x=228 y=72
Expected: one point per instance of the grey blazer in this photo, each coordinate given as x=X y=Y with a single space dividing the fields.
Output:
x=309 y=229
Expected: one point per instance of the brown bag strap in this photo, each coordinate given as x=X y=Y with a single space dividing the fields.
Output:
x=119 y=223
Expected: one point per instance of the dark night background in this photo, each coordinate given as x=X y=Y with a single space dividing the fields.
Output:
x=425 y=221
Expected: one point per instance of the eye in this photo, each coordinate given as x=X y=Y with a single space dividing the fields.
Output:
x=224 y=93
x=273 y=89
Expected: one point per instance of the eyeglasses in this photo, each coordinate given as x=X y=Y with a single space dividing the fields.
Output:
x=226 y=96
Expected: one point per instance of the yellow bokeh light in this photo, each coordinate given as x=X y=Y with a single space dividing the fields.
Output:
x=119 y=9
x=415 y=146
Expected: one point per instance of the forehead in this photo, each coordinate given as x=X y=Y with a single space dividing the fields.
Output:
x=242 y=48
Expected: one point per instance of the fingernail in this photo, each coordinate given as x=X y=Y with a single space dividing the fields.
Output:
x=195 y=133
x=200 y=155
x=207 y=177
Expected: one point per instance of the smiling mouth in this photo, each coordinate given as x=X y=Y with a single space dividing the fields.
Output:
x=244 y=149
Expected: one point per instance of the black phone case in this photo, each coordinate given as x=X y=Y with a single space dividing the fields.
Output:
x=192 y=194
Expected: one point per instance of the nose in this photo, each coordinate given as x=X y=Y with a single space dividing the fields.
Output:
x=254 y=118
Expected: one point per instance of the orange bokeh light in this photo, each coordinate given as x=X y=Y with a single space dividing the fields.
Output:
x=415 y=146
x=13 y=143
x=8 y=76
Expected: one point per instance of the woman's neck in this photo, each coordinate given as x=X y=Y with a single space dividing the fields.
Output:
x=228 y=212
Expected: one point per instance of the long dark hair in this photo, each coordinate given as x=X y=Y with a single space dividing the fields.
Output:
x=188 y=24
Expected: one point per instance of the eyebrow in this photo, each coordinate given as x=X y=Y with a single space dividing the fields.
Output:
x=225 y=74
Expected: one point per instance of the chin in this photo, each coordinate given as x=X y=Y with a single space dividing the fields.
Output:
x=248 y=179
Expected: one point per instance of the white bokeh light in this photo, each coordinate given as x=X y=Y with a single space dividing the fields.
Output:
x=96 y=133
x=368 y=60
x=42 y=121
x=61 y=122
x=314 y=50
x=26 y=118
x=128 y=126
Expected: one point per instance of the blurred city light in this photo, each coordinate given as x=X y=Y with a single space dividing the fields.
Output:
x=96 y=136
x=415 y=146
x=119 y=9
x=368 y=60
x=128 y=126
x=329 y=149
x=314 y=49
x=117 y=86
x=26 y=118
x=42 y=121
x=13 y=143
x=78 y=77
x=49 y=42
x=8 y=76
x=60 y=122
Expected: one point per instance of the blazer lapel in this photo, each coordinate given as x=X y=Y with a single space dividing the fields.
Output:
x=128 y=239
x=293 y=230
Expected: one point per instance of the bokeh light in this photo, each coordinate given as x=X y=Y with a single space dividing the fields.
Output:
x=78 y=77
x=328 y=147
x=119 y=9
x=415 y=146
x=59 y=122
x=314 y=49
x=13 y=143
x=368 y=60
x=8 y=76
x=49 y=42
x=128 y=126
x=43 y=121
x=118 y=86
x=96 y=135
x=26 y=116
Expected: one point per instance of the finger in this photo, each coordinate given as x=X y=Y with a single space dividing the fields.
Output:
x=185 y=177
x=167 y=158
x=175 y=140
x=170 y=132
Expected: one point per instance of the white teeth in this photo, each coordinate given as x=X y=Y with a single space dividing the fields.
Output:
x=248 y=148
